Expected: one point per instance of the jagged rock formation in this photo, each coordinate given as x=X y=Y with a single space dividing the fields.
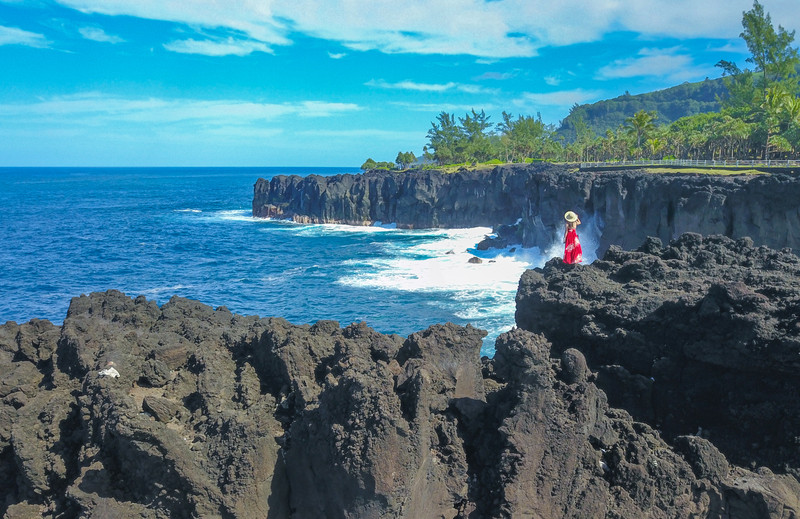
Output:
x=424 y=200
x=220 y=415
x=702 y=334
x=626 y=206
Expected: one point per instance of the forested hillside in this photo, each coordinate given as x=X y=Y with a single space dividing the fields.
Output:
x=669 y=105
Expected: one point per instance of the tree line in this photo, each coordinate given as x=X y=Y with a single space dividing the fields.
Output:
x=670 y=104
x=759 y=119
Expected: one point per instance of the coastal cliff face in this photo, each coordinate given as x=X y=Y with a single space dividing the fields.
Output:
x=702 y=334
x=426 y=200
x=590 y=408
x=626 y=207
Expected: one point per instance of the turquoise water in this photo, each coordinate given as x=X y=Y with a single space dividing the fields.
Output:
x=160 y=232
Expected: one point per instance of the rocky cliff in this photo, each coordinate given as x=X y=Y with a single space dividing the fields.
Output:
x=626 y=207
x=411 y=200
x=657 y=383
x=702 y=334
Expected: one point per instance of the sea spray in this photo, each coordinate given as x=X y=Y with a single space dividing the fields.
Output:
x=189 y=232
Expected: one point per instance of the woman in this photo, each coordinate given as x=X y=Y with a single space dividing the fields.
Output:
x=572 y=247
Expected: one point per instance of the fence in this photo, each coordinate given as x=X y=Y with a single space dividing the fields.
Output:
x=694 y=163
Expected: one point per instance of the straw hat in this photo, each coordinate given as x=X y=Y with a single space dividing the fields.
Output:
x=570 y=216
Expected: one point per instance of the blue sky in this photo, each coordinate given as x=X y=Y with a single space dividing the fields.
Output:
x=324 y=82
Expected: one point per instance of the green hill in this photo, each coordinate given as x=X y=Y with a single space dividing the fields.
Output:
x=670 y=104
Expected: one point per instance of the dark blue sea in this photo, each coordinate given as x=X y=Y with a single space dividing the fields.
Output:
x=190 y=231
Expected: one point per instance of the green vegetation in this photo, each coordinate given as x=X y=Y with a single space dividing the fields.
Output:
x=370 y=164
x=747 y=114
x=405 y=160
x=669 y=105
x=706 y=171
x=476 y=140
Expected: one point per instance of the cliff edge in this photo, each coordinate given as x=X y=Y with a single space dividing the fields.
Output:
x=625 y=206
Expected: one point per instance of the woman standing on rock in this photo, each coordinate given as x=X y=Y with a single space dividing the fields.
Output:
x=572 y=247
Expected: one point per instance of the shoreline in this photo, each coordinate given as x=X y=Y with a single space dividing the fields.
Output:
x=196 y=390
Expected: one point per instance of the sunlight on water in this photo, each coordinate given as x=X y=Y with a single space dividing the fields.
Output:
x=431 y=263
x=438 y=265
x=236 y=215
x=173 y=232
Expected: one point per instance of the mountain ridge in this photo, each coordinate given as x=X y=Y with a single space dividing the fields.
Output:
x=670 y=104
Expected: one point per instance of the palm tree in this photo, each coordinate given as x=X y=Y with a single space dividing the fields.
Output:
x=654 y=146
x=774 y=110
x=640 y=125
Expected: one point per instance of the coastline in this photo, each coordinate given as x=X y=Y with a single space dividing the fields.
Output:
x=189 y=233
x=371 y=424
x=627 y=206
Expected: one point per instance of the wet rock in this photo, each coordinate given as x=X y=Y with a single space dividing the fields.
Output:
x=418 y=199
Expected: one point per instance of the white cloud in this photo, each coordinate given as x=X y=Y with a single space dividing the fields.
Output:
x=253 y=18
x=476 y=89
x=228 y=47
x=435 y=108
x=731 y=47
x=337 y=55
x=241 y=132
x=470 y=27
x=563 y=98
x=577 y=21
x=552 y=80
x=497 y=76
x=365 y=133
x=98 y=34
x=430 y=87
x=485 y=29
x=412 y=85
x=324 y=109
x=14 y=36
x=97 y=109
x=666 y=63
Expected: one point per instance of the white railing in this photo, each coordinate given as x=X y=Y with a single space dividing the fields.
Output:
x=695 y=163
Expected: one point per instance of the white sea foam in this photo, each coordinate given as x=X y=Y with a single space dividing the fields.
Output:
x=589 y=235
x=437 y=262
x=188 y=211
x=333 y=229
x=384 y=226
x=238 y=215
x=440 y=263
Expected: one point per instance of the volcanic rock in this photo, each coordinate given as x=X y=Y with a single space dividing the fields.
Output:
x=221 y=415
x=526 y=203
x=699 y=335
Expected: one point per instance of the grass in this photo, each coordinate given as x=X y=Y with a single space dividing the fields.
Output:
x=452 y=168
x=488 y=166
x=706 y=171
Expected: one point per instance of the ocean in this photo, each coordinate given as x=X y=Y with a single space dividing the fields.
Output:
x=189 y=232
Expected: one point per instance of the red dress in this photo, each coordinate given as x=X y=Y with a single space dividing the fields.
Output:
x=572 y=248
